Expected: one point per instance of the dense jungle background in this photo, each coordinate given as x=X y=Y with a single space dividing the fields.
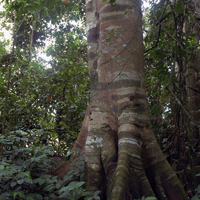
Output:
x=44 y=92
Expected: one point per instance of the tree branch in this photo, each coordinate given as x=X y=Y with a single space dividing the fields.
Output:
x=156 y=41
x=159 y=23
x=196 y=90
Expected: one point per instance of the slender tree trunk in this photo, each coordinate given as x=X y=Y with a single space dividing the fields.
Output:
x=193 y=79
x=122 y=157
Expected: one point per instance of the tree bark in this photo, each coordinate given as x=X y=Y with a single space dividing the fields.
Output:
x=122 y=157
x=197 y=7
x=193 y=80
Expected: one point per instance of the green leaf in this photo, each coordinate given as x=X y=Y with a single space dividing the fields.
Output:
x=21 y=132
x=112 y=2
x=66 y=178
x=49 y=187
x=39 y=196
x=148 y=198
x=197 y=174
x=66 y=189
x=20 y=181
x=179 y=7
x=28 y=180
x=96 y=197
x=28 y=175
x=79 y=184
x=41 y=181
x=20 y=194
x=30 y=197
x=193 y=35
x=46 y=176
x=39 y=132
x=58 y=185
x=12 y=184
x=108 y=39
x=33 y=159
x=198 y=189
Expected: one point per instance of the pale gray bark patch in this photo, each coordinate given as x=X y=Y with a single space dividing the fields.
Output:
x=128 y=140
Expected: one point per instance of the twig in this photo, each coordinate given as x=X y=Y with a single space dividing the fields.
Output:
x=196 y=90
x=21 y=23
x=156 y=41
x=31 y=44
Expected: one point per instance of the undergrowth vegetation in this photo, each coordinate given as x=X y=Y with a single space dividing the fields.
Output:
x=23 y=168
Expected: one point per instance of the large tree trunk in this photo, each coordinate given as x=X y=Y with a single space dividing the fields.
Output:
x=122 y=157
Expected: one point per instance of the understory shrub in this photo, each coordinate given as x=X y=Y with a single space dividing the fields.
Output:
x=23 y=167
